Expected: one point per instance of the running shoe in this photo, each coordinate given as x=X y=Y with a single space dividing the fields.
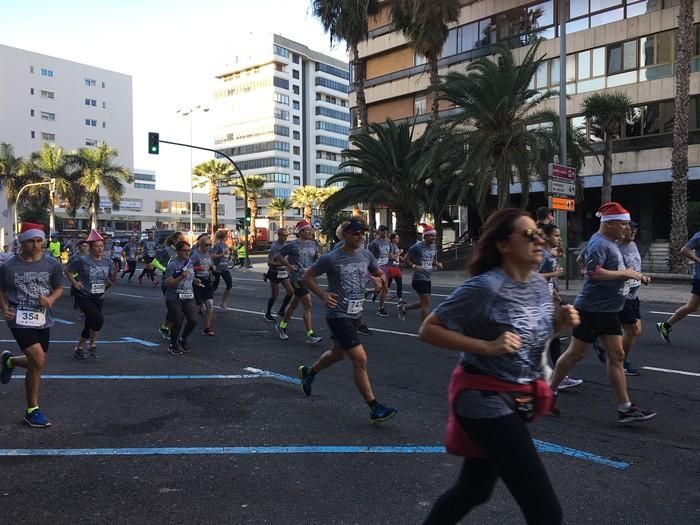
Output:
x=634 y=414
x=306 y=379
x=174 y=349
x=554 y=409
x=282 y=332
x=364 y=330
x=209 y=332
x=140 y=279
x=380 y=413
x=569 y=382
x=184 y=345
x=402 y=311
x=164 y=332
x=6 y=370
x=630 y=370
x=92 y=351
x=268 y=317
x=81 y=317
x=156 y=283
x=381 y=312
x=36 y=419
x=280 y=313
x=599 y=350
x=664 y=331
x=313 y=339
x=79 y=353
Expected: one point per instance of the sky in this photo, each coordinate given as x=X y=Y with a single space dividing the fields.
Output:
x=171 y=48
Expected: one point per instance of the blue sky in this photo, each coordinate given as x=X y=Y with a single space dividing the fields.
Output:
x=170 y=48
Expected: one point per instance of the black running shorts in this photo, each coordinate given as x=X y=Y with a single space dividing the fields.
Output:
x=696 y=287
x=272 y=275
x=299 y=289
x=630 y=313
x=344 y=332
x=595 y=324
x=27 y=337
x=203 y=293
x=421 y=287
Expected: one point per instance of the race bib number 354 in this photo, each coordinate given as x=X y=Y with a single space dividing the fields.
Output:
x=31 y=317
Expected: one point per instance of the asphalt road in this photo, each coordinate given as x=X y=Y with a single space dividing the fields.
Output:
x=224 y=434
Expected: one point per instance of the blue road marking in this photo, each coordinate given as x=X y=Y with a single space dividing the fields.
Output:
x=62 y=321
x=94 y=377
x=122 y=341
x=292 y=449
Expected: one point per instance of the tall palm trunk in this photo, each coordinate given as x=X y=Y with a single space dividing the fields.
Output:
x=214 y=204
x=308 y=212
x=253 y=205
x=606 y=189
x=406 y=228
x=679 y=157
x=434 y=82
x=358 y=67
x=95 y=208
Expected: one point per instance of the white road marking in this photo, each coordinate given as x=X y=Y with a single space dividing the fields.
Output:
x=669 y=371
x=130 y=295
x=671 y=313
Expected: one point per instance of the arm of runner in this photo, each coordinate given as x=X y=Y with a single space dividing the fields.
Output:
x=7 y=312
x=566 y=317
x=157 y=265
x=601 y=274
x=71 y=277
x=688 y=252
x=434 y=332
x=47 y=301
x=309 y=280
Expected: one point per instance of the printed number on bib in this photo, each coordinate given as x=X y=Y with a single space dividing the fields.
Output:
x=282 y=274
x=33 y=317
x=185 y=295
x=98 y=288
x=355 y=306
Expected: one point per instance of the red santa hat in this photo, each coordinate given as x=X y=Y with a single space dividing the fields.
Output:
x=428 y=229
x=612 y=211
x=302 y=225
x=94 y=236
x=30 y=230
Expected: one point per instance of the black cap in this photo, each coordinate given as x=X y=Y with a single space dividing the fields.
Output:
x=355 y=224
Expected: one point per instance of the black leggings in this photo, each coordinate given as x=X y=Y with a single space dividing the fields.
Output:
x=130 y=269
x=399 y=286
x=150 y=272
x=511 y=456
x=92 y=308
x=227 y=279
x=177 y=310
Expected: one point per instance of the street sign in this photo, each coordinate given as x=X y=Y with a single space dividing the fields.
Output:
x=561 y=203
x=316 y=223
x=560 y=171
x=562 y=187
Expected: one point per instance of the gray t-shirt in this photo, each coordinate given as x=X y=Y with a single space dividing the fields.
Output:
x=183 y=290
x=92 y=275
x=109 y=248
x=301 y=254
x=220 y=248
x=422 y=255
x=394 y=250
x=202 y=263
x=486 y=306
x=129 y=251
x=24 y=282
x=694 y=244
x=275 y=248
x=549 y=264
x=380 y=248
x=602 y=296
x=347 y=275
x=149 y=248
x=632 y=259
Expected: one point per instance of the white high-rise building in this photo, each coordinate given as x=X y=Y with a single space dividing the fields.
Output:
x=282 y=113
x=44 y=99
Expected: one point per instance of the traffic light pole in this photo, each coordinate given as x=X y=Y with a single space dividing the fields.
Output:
x=243 y=183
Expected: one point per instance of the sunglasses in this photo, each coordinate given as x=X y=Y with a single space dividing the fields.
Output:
x=208 y=244
x=532 y=234
x=357 y=232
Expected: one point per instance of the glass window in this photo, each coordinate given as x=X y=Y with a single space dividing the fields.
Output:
x=623 y=78
x=629 y=55
x=578 y=8
x=694 y=113
x=665 y=47
x=633 y=124
x=468 y=37
x=487 y=33
x=541 y=75
x=543 y=13
x=571 y=68
x=295 y=73
x=614 y=59
x=593 y=84
x=420 y=105
x=667 y=109
x=640 y=8
x=554 y=72
x=584 y=65
x=651 y=119
x=577 y=25
x=599 y=62
x=450 y=46
x=607 y=17
x=597 y=5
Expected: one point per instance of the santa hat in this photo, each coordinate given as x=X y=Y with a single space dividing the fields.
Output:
x=428 y=229
x=302 y=225
x=612 y=211
x=31 y=230
x=94 y=236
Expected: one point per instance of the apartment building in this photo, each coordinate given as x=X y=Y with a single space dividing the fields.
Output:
x=282 y=112
x=616 y=45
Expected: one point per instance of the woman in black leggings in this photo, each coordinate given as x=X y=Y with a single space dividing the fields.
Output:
x=499 y=320
x=179 y=298
x=91 y=275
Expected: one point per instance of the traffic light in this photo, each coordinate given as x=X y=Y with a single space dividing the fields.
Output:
x=153 y=143
x=248 y=215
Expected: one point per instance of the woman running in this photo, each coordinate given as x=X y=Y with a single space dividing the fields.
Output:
x=499 y=320
x=95 y=274
x=221 y=255
x=164 y=256
x=394 y=268
x=179 y=298
x=129 y=254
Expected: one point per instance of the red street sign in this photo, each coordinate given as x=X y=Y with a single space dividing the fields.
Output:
x=562 y=172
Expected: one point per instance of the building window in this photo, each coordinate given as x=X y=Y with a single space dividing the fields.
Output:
x=281 y=114
x=91 y=122
x=326 y=169
x=281 y=130
x=103 y=85
x=48 y=136
x=142 y=186
x=104 y=124
x=45 y=115
x=296 y=135
x=295 y=104
x=295 y=58
x=31 y=69
x=282 y=178
x=332 y=113
x=295 y=90
x=296 y=150
x=296 y=165
x=296 y=120
x=32 y=134
x=279 y=66
x=280 y=193
x=31 y=91
x=280 y=82
x=90 y=82
x=280 y=98
x=104 y=105
x=295 y=74
x=420 y=106
x=332 y=84
x=31 y=112
x=91 y=102
x=331 y=70
x=622 y=57
x=335 y=128
x=297 y=181
x=47 y=94
x=263 y=163
x=331 y=141
x=280 y=51
x=46 y=72
x=91 y=142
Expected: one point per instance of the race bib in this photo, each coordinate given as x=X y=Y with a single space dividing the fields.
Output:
x=550 y=284
x=427 y=263
x=625 y=289
x=185 y=295
x=31 y=317
x=355 y=306
x=383 y=261
x=282 y=274
x=98 y=288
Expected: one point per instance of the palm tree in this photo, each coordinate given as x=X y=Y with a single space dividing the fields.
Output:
x=425 y=24
x=679 y=157
x=347 y=20
x=278 y=207
x=382 y=166
x=498 y=112
x=307 y=198
x=13 y=173
x=256 y=191
x=607 y=112
x=95 y=171
x=213 y=174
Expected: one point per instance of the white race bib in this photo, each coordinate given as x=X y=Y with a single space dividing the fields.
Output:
x=98 y=288
x=185 y=295
x=355 y=306
x=383 y=261
x=282 y=274
x=551 y=287
x=31 y=317
x=625 y=289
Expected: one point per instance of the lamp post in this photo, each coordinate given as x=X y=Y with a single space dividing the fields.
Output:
x=188 y=113
x=52 y=188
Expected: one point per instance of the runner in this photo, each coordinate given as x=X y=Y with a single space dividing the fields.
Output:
x=180 y=298
x=203 y=291
x=129 y=254
x=544 y=216
x=298 y=256
x=81 y=250
x=95 y=274
x=346 y=269
x=117 y=255
x=421 y=257
x=599 y=304
x=394 y=268
x=221 y=255
x=692 y=251
x=148 y=254
x=381 y=249
x=551 y=271
x=164 y=256
x=277 y=274
x=55 y=246
x=499 y=320
x=30 y=284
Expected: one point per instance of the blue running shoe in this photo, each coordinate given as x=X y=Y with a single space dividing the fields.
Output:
x=6 y=370
x=380 y=413
x=306 y=378
x=36 y=419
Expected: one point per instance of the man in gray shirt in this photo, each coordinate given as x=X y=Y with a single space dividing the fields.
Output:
x=381 y=249
x=599 y=303
x=421 y=257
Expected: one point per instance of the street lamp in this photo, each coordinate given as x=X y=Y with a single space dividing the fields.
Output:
x=188 y=113
x=52 y=189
